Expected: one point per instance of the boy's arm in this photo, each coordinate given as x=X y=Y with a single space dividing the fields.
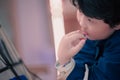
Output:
x=65 y=71
x=77 y=69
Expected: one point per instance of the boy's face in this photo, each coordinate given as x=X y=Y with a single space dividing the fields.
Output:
x=94 y=29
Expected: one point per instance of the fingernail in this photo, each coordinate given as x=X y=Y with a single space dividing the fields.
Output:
x=78 y=30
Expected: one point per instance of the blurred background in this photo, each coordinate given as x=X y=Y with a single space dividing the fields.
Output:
x=35 y=28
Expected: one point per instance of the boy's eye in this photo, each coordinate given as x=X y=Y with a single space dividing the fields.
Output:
x=89 y=20
x=80 y=11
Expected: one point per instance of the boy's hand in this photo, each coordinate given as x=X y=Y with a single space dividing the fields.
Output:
x=70 y=45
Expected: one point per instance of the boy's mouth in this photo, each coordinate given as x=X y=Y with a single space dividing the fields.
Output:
x=85 y=35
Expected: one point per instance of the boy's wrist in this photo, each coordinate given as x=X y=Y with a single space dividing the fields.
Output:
x=66 y=66
x=63 y=61
x=65 y=69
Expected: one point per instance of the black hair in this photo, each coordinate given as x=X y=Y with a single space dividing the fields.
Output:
x=106 y=10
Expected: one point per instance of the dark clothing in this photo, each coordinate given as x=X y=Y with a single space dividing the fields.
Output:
x=102 y=58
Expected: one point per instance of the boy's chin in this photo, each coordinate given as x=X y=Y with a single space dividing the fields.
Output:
x=92 y=38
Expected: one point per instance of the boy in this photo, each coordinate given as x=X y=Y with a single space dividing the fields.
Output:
x=96 y=44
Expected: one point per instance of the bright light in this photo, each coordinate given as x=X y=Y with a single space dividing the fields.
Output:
x=57 y=21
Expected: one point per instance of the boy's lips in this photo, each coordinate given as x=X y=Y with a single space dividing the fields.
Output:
x=85 y=35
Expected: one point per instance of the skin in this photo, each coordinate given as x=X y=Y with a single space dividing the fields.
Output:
x=72 y=42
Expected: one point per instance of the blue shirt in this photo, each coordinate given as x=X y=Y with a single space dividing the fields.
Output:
x=102 y=58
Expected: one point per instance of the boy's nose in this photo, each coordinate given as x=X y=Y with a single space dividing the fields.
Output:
x=82 y=21
x=83 y=24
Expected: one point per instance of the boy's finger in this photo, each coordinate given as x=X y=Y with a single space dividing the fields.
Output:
x=77 y=36
x=79 y=46
x=73 y=32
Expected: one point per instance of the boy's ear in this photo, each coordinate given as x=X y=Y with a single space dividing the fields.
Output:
x=117 y=27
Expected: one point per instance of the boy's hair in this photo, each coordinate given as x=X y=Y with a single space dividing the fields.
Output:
x=106 y=10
